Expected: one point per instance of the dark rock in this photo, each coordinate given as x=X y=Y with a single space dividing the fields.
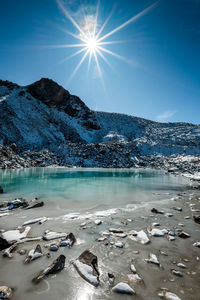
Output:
x=39 y=204
x=81 y=264
x=111 y=278
x=197 y=219
x=14 y=147
x=183 y=235
x=10 y=85
x=156 y=211
x=4 y=244
x=1 y=190
x=19 y=202
x=89 y=259
x=55 y=267
x=177 y=273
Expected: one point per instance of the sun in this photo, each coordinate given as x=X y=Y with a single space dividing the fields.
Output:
x=92 y=44
x=92 y=40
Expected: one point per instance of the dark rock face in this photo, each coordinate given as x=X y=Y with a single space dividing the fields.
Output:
x=49 y=92
x=1 y=190
x=54 y=95
x=10 y=85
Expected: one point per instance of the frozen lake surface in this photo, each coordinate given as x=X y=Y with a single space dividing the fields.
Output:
x=73 y=200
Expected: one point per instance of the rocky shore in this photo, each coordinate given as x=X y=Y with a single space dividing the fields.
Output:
x=103 y=155
x=151 y=252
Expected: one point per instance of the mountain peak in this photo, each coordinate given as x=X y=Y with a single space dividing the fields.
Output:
x=49 y=92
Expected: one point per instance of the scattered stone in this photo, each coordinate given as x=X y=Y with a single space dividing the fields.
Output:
x=83 y=224
x=177 y=273
x=155 y=224
x=4 y=244
x=169 y=215
x=5 y=292
x=197 y=244
x=172 y=233
x=102 y=239
x=135 y=278
x=139 y=236
x=119 y=245
x=183 y=235
x=87 y=266
x=163 y=253
x=69 y=242
x=17 y=203
x=168 y=295
x=120 y=235
x=51 y=235
x=180 y=265
x=135 y=251
x=116 y=230
x=156 y=211
x=152 y=259
x=7 y=252
x=32 y=221
x=12 y=236
x=33 y=254
x=178 y=208
x=98 y=222
x=187 y=217
x=111 y=278
x=54 y=247
x=123 y=288
x=44 y=219
x=197 y=219
x=157 y=232
x=22 y=252
x=133 y=269
x=55 y=267
x=36 y=205
x=171 y=238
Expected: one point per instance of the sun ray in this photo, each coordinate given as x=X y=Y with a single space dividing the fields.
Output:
x=89 y=61
x=105 y=23
x=78 y=66
x=104 y=58
x=114 y=42
x=71 y=33
x=60 y=4
x=114 y=54
x=99 y=69
x=96 y=19
x=71 y=56
x=131 y=20
x=62 y=46
x=92 y=41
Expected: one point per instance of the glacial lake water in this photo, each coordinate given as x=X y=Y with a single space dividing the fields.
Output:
x=82 y=189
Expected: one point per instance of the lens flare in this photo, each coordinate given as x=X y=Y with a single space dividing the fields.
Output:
x=92 y=40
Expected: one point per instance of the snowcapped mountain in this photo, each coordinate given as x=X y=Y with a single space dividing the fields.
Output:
x=44 y=115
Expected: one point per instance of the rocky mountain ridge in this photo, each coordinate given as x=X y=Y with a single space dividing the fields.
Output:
x=44 y=115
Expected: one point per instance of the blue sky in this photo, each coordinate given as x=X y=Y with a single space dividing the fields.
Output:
x=159 y=78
